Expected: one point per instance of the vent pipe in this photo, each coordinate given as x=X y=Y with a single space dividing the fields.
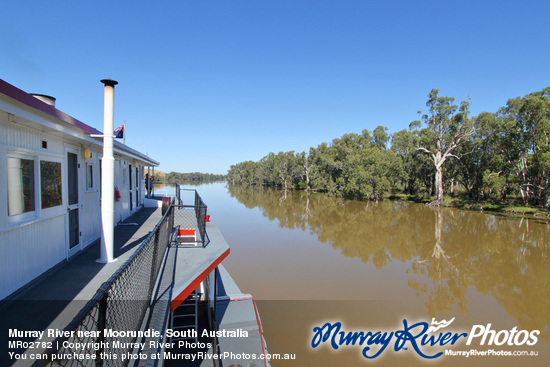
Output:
x=44 y=98
x=108 y=174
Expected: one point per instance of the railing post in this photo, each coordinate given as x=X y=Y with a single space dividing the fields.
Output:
x=153 y=267
x=203 y=224
x=101 y=325
x=172 y=217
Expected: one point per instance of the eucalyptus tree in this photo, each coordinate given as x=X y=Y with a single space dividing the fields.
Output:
x=267 y=170
x=327 y=168
x=520 y=142
x=285 y=168
x=308 y=166
x=404 y=143
x=331 y=159
x=343 y=162
x=380 y=137
x=534 y=117
x=446 y=129
x=478 y=170
x=244 y=173
x=367 y=169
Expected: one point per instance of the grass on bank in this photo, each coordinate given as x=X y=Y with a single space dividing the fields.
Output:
x=460 y=200
x=464 y=203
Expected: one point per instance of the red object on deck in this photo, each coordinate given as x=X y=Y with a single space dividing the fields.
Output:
x=186 y=232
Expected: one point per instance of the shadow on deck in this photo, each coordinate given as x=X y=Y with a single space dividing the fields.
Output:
x=55 y=298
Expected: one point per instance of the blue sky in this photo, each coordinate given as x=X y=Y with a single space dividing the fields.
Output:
x=206 y=84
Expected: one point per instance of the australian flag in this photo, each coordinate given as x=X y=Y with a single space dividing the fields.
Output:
x=119 y=132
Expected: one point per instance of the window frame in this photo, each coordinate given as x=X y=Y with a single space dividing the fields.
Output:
x=39 y=213
x=57 y=207
x=32 y=214
x=90 y=170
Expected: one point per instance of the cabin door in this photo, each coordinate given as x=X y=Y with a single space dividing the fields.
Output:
x=73 y=208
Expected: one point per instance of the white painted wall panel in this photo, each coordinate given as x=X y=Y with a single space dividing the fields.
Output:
x=21 y=137
x=29 y=250
x=90 y=224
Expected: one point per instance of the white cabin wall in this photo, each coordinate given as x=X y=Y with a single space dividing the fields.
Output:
x=118 y=183
x=32 y=246
x=125 y=191
x=137 y=189
x=30 y=250
x=22 y=138
x=122 y=180
x=91 y=199
x=3 y=163
x=122 y=206
x=142 y=193
x=132 y=166
x=124 y=188
x=15 y=135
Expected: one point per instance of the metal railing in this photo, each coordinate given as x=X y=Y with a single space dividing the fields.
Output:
x=191 y=218
x=215 y=341
x=118 y=307
x=213 y=321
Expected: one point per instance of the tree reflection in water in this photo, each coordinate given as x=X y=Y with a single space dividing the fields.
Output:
x=449 y=250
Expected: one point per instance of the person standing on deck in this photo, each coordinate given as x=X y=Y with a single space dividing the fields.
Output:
x=149 y=185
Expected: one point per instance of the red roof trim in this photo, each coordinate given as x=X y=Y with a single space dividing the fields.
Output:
x=27 y=99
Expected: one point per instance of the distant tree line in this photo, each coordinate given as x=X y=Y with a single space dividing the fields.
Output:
x=492 y=156
x=176 y=177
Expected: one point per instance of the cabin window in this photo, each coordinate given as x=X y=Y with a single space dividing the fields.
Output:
x=124 y=174
x=20 y=185
x=89 y=176
x=50 y=184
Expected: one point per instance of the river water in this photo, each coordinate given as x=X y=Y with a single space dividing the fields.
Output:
x=313 y=259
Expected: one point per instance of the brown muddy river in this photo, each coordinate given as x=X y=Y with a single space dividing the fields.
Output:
x=309 y=260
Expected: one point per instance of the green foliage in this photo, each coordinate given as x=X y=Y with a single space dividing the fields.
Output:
x=445 y=131
x=356 y=165
x=194 y=177
x=490 y=157
x=493 y=183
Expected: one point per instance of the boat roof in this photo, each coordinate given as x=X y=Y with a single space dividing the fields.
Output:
x=67 y=124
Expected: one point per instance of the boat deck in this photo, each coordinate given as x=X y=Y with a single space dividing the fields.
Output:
x=53 y=300
x=183 y=270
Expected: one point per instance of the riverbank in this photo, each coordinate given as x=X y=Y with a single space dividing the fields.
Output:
x=461 y=203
